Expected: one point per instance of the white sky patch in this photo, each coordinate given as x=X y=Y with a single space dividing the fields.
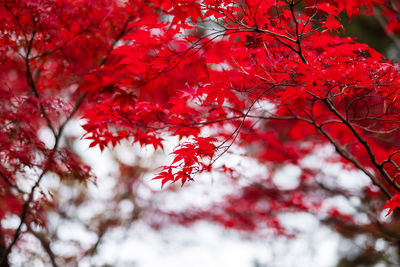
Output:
x=287 y=177
x=349 y=179
x=207 y=245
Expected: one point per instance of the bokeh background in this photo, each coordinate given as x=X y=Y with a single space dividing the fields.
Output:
x=123 y=218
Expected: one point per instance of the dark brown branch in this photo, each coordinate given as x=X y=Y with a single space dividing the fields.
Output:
x=45 y=244
x=25 y=208
x=117 y=38
x=363 y=142
x=23 y=215
x=32 y=85
x=298 y=37
x=345 y=154
x=10 y=184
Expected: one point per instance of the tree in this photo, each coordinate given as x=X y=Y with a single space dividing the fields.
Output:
x=274 y=80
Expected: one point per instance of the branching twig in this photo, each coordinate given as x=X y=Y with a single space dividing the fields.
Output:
x=298 y=37
x=25 y=209
x=363 y=142
x=45 y=244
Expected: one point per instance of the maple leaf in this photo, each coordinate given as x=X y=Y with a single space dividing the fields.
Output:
x=332 y=24
x=264 y=80
x=392 y=204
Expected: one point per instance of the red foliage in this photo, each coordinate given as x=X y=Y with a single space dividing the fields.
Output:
x=393 y=203
x=270 y=77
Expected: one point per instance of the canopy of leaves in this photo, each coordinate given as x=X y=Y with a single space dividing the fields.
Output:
x=272 y=78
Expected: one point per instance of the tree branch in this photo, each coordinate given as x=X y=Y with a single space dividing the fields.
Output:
x=298 y=37
x=45 y=244
x=57 y=135
x=363 y=142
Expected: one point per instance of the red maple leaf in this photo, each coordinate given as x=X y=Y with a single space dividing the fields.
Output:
x=392 y=204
